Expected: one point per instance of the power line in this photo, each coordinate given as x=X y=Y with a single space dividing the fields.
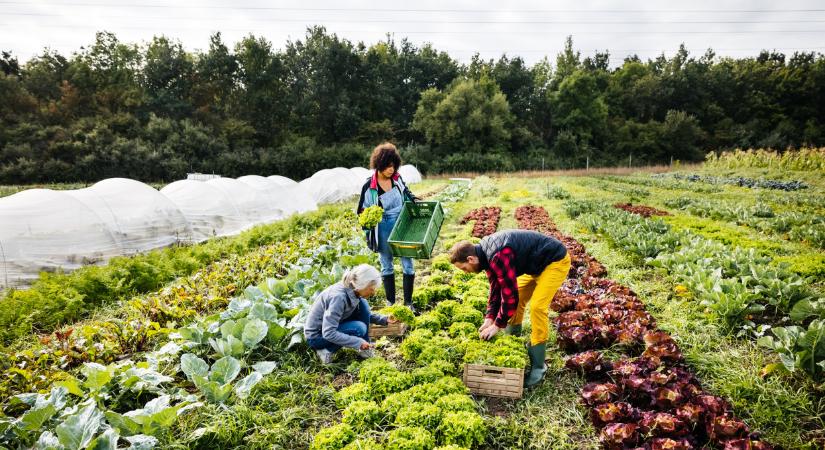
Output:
x=447 y=22
x=286 y=8
x=568 y=32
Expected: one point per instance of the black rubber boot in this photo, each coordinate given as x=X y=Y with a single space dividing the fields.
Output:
x=409 y=282
x=389 y=288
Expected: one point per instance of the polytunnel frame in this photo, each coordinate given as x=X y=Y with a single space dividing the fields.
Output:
x=97 y=189
x=67 y=198
x=215 y=190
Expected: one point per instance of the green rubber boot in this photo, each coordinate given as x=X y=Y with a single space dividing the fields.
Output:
x=537 y=365
x=514 y=330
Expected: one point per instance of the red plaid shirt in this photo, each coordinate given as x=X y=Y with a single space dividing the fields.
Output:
x=503 y=287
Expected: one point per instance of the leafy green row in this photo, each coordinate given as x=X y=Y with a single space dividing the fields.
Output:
x=743 y=289
x=797 y=226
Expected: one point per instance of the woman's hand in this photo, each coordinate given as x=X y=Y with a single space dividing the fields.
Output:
x=487 y=323
x=365 y=345
x=392 y=319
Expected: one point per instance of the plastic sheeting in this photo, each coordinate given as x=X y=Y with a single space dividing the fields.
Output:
x=209 y=210
x=361 y=173
x=252 y=203
x=332 y=185
x=410 y=174
x=46 y=230
x=43 y=230
x=138 y=216
x=282 y=181
x=286 y=198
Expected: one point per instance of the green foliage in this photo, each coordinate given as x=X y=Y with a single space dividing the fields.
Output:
x=424 y=415
x=806 y=159
x=554 y=192
x=400 y=312
x=503 y=351
x=362 y=415
x=575 y=208
x=800 y=348
x=352 y=393
x=470 y=116
x=370 y=217
x=428 y=295
x=429 y=321
x=409 y=438
x=363 y=444
x=455 y=403
x=441 y=262
x=335 y=437
x=466 y=313
x=463 y=428
x=383 y=378
x=463 y=329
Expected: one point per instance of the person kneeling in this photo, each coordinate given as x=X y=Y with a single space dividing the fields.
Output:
x=341 y=316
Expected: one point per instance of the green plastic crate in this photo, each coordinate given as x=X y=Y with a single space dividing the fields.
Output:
x=416 y=229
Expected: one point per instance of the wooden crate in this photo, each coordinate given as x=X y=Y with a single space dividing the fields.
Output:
x=494 y=381
x=392 y=329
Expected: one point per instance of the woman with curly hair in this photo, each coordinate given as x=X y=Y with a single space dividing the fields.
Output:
x=386 y=189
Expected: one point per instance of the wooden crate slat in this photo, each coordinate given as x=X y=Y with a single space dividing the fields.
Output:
x=393 y=329
x=493 y=381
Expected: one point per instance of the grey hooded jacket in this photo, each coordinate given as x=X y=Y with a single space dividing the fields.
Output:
x=333 y=305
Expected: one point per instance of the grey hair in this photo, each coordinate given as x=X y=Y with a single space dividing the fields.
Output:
x=361 y=277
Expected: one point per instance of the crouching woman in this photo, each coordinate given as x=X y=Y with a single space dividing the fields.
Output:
x=341 y=317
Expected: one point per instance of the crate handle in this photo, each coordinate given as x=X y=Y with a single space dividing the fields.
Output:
x=406 y=246
x=498 y=373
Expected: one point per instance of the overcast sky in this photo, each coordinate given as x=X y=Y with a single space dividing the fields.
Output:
x=529 y=28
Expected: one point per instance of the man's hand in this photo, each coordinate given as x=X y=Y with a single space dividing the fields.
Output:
x=392 y=319
x=365 y=345
x=488 y=333
x=487 y=323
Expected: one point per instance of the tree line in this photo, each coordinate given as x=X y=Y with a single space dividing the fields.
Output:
x=156 y=111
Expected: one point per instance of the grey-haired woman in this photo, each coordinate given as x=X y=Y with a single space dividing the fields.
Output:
x=341 y=316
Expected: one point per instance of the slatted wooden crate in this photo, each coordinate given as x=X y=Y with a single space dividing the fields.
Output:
x=494 y=381
x=392 y=329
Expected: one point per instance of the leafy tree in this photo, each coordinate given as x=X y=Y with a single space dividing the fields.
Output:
x=470 y=116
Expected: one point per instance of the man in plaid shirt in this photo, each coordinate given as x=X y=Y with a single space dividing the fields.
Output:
x=523 y=267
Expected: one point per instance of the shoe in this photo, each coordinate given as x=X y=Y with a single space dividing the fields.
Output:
x=537 y=365
x=366 y=354
x=409 y=284
x=389 y=288
x=324 y=355
x=513 y=330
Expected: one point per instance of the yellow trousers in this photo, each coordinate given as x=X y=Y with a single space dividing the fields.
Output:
x=539 y=290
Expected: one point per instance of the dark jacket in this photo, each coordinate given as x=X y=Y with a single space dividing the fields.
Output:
x=533 y=251
x=366 y=200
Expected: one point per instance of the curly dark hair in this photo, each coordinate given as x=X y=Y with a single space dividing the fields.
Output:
x=385 y=155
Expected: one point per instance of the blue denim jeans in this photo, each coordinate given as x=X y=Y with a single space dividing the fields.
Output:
x=384 y=252
x=358 y=324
